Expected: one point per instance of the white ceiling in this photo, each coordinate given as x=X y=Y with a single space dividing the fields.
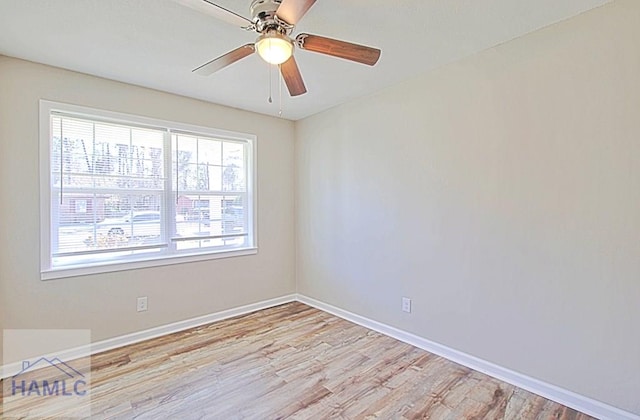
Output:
x=156 y=43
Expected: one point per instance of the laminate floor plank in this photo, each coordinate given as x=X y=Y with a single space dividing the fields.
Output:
x=295 y=362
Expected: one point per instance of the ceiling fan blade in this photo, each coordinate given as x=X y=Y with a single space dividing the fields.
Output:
x=218 y=12
x=336 y=48
x=291 y=11
x=292 y=77
x=225 y=60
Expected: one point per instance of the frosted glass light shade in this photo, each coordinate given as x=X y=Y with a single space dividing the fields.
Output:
x=274 y=48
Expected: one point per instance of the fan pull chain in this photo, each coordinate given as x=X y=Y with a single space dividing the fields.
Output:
x=270 y=78
x=280 y=89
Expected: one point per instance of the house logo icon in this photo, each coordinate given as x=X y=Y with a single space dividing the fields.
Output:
x=73 y=382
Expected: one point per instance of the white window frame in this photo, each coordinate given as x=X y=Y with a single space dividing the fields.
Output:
x=47 y=271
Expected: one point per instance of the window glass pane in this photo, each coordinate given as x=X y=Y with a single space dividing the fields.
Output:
x=198 y=162
x=234 y=215
x=213 y=215
x=116 y=157
x=210 y=152
x=233 y=177
x=96 y=170
x=89 y=221
x=215 y=177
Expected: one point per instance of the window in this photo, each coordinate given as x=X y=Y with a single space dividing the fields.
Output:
x=120 y=191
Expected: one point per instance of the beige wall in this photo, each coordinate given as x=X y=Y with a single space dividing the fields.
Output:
x=502 y=194
x=106 y=303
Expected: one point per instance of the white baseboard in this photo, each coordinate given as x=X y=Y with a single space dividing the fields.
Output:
x=124 y=340
x=565 y=397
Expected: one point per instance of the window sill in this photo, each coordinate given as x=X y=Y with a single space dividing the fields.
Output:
x=75 y=271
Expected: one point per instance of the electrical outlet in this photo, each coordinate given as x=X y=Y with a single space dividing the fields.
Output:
x=142 y=304
x=406 y=304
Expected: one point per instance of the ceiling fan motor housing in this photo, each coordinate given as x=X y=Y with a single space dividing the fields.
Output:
x=263 y=14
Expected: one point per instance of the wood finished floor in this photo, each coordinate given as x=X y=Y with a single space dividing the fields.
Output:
x=294 y=361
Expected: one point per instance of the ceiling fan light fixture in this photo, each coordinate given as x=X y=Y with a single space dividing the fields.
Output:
x=274 y=47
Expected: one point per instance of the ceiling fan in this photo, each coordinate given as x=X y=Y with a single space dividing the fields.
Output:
x=274 y=21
